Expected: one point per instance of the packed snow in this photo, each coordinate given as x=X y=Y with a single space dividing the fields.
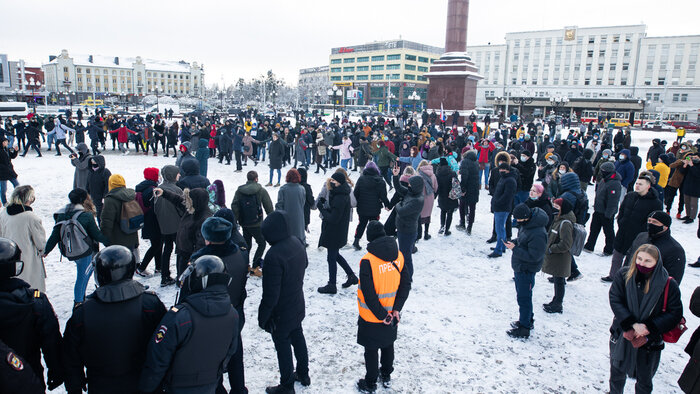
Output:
x=452 y=336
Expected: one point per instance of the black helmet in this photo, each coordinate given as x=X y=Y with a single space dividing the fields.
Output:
x=10 y=254
x=206 y=271
x=112 y=264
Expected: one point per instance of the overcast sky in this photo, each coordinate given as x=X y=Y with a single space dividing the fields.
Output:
x=240 y=38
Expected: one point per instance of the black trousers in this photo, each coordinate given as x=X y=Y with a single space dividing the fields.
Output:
x=446 y=218
x=599 y=221
x=647 y=364
x=32 y=144
x=182 y=259
x=155 y=252
x=372 y=362
x=168 y=241
x=250 y=233
x=468 y=211
x=284 y=341
x=360 y=230
x=239 y=165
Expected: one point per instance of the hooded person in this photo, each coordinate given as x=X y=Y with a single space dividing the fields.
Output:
x=370 y=193
x=282 y=307
x=381 y=295
x=97 y=184
x=605 y=207
x=81 y=162
x=334 y=231
x=112 y=211
x=310 y=202
x=168 y=216
x=151 y=228
x=190 y=177
x=291 y=198
x=408 y=212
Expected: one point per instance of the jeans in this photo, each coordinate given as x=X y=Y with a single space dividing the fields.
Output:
x=261 y=152
x=49 y=140
x=122 y=147
x=344 y=163
x=255 y=232
x=647 y=364
x=335 y=259
x=524 y=282
x=372 y=362
x=484 y=172
x=3 y=189
x=279 y=174
x=406 y=242
x=84 y=270
x=500 y=226
x=284 y=341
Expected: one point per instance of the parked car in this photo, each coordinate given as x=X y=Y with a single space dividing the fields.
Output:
x=690 y=127
x=658 y=125
x=619 y=123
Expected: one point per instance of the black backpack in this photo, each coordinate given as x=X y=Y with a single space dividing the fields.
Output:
x=249 y=210
x=581 y=208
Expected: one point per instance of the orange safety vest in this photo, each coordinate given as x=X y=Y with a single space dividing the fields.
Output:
x=386 y=276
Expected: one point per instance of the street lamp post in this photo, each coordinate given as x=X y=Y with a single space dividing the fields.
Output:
x=34 y=85
x=415 y=98
x=520 y=101
x=644 y=104
x=157 y=101
x=558 y=102
x=333 y=94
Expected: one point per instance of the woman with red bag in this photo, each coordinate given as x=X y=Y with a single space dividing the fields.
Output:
x=644 y=310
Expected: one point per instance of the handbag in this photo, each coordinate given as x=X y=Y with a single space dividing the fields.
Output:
x=675 y=333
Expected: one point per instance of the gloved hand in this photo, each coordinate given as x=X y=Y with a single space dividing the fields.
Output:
x=388 y=319
x=321 y=200
x=54 y=379
x=628 y=335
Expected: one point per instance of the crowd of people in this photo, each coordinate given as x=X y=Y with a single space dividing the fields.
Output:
x=536 y=176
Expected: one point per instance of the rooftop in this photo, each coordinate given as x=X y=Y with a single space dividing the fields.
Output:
x=127 y=62
x=390 y=44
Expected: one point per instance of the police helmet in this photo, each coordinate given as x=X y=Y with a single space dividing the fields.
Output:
x=206 y=271
x=10 y=255
x=112 y=264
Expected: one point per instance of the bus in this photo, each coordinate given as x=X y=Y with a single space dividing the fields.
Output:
x=92 y=103
x=13 y=108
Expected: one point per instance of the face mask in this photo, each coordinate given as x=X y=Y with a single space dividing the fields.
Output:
x=562 y=172
x=523 y=158
x=534 y=198
x=550 y=162
x=654 y=230
x=645 y=270
x=95 y=167
x=605 y=156
x=623 y=157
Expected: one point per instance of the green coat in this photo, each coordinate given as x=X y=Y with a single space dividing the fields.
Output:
x=250 y=188
x=111 y=215
x=557 y=257
x=384 y=157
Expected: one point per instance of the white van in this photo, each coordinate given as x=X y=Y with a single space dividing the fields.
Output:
x=13 y=108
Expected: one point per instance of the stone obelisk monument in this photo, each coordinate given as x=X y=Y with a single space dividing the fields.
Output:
x=452 y=79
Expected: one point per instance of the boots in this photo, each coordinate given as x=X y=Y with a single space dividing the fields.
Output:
x=364 y=386
x=352 y=280
x=328 y=289
x=556 y=305
x=356 y=244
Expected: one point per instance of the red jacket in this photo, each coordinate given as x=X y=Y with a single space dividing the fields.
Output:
x=390 y=146
x=123 y=134
x=212 y=140
x=484 y=152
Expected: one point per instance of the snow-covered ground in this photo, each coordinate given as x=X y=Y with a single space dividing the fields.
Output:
x=452 y=334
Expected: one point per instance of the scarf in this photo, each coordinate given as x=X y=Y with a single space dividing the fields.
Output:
x=623 y=354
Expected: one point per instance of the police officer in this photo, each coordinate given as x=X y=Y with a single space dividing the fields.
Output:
x=216 y=232
x=381 y=294
x=16 y=376
x=108 y=333
x=196 y=338
x=28 y=323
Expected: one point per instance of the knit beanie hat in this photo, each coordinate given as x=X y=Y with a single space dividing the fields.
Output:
x=115 y=181
x=216 y=229
x=608 y=167
x=372 y=165
x=151 y=174
x=522 y=211
x=375 y=230
x=338 y=177
x=661 y=216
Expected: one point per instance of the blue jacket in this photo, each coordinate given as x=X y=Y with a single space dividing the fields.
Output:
x=528 y=254
x=626 y=169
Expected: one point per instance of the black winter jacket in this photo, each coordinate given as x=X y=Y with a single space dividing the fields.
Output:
x=191 y=179
x=7 y=171
x=632 y=218
x=370 y=193
x=504 y=194
x=607 y=195
x=527 y=173
x=151 y=229
x=672 y=252
x=530 y=247
x=336 y=218
x=444 y=180
x=98 y=181
x=408 y=210
x=189 y=235
x=469 y=171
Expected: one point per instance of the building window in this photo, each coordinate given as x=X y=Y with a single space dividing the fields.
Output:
x=362 y=77
x=376 y=77
x=647 y=81
x=363 y=59
x=379 y=58
x=411 y=57
x=662 y=81
x=393 y=67
x=335 y=61
x=393 y=57
x=689 y=81
x=599 y=81
x=335 y=69
x=410 y=67
x=348 y=69
x=378 y=67
x=335 y=78
x=627 y=52
x=586 y=81
x=409 y=77
x=623 y=82
x=348 y=78
x=424 y=69
x=349 y=60
x=422 y=59
x=362 y=68
x=684 y=97
x=676 y=97
x=657 y=96
x=590 y=53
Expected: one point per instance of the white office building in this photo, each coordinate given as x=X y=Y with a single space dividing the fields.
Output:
x=615 y=69
x=87 y=74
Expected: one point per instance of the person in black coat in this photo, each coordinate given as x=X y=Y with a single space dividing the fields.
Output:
x=377 y=324
x=637 y=298
x=98 y=182
x=277 y=149
x=408 y=211
x=28 y=323
x=527 y=168
x=151 y=229
x=217 y=233
x=690 y=379
x=502 y=204
x=310 y=201
x=282 y=306
x=370 y=193
x=32 y=131
x=583 y=167
x=469 y=172
x=334 y=231
x=447 y=205
x=190 y=177
x=632 y=219
x=659 y=234
x=7 y=170
x=121 y=310
x=16 y=376
x=605 y=206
